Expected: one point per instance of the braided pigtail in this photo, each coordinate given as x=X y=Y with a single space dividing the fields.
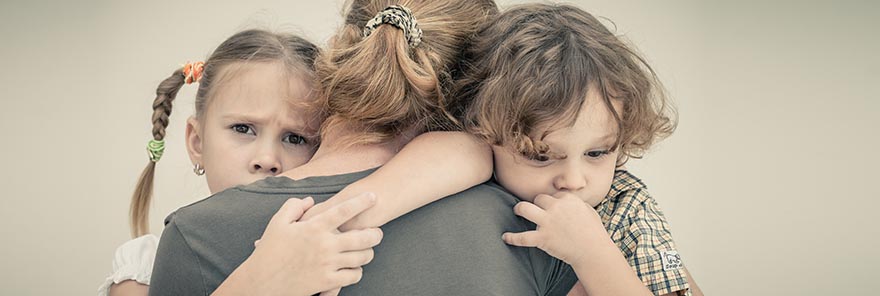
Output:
x=165 y=94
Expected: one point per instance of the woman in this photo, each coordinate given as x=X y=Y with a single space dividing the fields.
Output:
x=383 y=81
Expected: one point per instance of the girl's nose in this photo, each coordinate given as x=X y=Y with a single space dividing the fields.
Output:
x=266 y=162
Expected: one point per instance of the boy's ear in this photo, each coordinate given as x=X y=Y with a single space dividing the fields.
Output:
x=194 y=141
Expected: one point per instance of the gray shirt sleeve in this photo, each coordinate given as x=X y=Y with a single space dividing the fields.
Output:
x=177 y=271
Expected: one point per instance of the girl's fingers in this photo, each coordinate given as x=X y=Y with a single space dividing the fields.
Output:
x=292 y=210
x=349 y=276
x=344 y=211
x=531 y=212
x=355 y=259
x=356 y=240
x=522 y=239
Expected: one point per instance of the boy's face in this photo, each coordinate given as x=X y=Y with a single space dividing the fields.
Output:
x=252 y=128
x=587 y=169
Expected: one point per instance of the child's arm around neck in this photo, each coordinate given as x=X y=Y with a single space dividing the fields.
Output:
x=432 y=166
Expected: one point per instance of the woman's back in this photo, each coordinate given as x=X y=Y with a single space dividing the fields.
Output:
x=449 y=247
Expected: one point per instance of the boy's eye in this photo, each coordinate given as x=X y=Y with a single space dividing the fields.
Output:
x=541 y=159
x=596 y=154
x=294 y=139
x=243 y=129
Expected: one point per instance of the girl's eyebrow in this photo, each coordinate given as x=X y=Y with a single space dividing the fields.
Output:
x=292 y=124
x=242 y=117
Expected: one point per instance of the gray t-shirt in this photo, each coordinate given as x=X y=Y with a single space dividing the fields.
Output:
x=449 y=247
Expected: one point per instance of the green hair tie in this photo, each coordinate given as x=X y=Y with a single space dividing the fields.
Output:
x=156 y=148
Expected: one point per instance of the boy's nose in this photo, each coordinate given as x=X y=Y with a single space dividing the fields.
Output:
x=571 y=180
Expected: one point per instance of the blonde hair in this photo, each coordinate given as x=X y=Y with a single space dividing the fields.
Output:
x=296 y=53
x=533 y=66
x=381 y=86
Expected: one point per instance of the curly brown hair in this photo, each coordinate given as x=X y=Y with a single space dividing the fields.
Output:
x=532 y=67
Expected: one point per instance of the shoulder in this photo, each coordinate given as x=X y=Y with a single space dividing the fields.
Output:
x=233 y=203
x=626 y=200
x=484 y=203
x=491 y=191
x=627 y=188
x=632 y=214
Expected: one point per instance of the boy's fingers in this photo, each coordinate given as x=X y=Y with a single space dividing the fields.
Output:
x=544 y=201
x=356 y=240
x=346 y=210
x=292 y=210
x=521 y=239
x=530 y=211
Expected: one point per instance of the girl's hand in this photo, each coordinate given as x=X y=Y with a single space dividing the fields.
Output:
x=567 y=227
x=307 y=257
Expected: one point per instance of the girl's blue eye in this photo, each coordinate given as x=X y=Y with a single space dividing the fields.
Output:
x=596 y=154
x=294 y=139
x=243 y=129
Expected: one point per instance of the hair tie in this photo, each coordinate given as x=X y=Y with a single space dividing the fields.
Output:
x=156 y=149
x=192 y=72
x=400 y=17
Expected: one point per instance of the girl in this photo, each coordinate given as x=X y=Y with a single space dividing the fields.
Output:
x=255 y=118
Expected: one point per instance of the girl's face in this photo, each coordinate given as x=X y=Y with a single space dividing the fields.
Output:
x=587 y=168
x=254 y=126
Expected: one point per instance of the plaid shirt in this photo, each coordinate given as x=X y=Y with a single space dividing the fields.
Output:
x=638 y=227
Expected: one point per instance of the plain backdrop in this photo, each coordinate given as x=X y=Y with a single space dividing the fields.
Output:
x=768 y=183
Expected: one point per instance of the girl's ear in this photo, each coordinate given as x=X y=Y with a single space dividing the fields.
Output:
x=194 y=141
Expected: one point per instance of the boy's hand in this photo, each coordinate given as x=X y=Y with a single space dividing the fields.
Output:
x=567 y=226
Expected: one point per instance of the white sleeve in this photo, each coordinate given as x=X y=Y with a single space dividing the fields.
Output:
x=133 y=261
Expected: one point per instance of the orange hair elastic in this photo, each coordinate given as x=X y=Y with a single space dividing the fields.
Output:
x=193 y=72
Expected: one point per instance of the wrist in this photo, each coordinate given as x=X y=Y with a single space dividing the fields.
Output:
x=594 y=253
x=242 y=281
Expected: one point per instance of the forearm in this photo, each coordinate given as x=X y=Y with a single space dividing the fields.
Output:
x=242 y=281
x=604 y=271
x=432 y=166
x=695 y=290
x=129 y=288
x=238 y=283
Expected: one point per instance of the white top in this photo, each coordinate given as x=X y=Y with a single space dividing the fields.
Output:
x=133 y=261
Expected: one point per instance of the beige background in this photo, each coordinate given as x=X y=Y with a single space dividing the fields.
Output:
x=768 y=182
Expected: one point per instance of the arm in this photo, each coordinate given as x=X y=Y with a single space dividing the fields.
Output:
x=604 y=271
x=132 y=267
x=646 y=242
x=695 y=290
x=129 y=288
x=176 y=269
x=305 y=257
x=572 y=231
x=432 y=166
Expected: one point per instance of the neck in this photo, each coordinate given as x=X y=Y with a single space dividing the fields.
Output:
x=335 y=156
